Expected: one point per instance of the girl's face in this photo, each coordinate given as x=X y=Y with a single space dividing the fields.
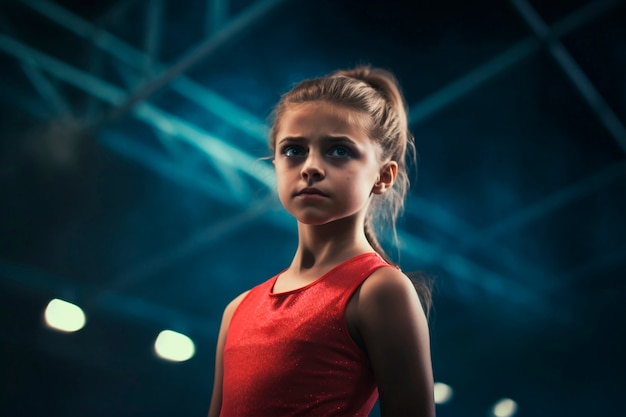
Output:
x=326 y=165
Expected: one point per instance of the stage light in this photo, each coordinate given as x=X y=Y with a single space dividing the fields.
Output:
x=443 y=393
x=505 y=407
x=64 y=316
x=174 y=346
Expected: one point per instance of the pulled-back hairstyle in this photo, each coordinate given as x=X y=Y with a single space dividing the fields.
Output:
x=375 y=93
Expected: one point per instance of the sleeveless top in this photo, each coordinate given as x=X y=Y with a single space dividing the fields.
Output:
x=291 y=354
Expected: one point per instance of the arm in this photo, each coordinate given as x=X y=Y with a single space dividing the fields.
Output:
x=395 y=332
x=216 y=398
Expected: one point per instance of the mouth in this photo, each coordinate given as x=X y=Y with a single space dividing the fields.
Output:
x=310 y=192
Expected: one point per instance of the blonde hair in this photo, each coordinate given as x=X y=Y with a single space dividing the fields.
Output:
x=374 y=92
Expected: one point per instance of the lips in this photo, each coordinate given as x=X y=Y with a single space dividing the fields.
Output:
x=310 y=191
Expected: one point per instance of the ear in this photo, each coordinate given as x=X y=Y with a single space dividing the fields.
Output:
x=386 y=177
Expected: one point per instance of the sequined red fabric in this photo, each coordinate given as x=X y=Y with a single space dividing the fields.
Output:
x=290 y=354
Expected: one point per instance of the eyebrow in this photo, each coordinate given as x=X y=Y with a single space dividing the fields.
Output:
x=332 y=139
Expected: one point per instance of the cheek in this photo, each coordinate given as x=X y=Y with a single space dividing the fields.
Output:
x=281 y=184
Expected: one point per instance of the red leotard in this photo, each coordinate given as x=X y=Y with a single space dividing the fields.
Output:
x=290 y=354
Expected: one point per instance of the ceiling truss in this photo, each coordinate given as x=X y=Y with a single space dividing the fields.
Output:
x=152 y=76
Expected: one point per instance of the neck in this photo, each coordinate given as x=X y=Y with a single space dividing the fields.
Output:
x=329 y=244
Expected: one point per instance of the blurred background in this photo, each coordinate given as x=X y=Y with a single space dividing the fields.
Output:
x=132 y=186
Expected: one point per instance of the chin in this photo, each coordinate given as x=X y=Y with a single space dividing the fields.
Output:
x=314 y=220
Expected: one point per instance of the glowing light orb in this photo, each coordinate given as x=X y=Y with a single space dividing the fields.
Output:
x=174 y=346
x=64 y=316
x=505 y=407
x=443 y=393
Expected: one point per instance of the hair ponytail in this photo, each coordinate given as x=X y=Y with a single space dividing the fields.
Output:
x=376 y=93
x=373 y=241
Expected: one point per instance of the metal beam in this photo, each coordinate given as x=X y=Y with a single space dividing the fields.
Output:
x=166 y=125
x=170 y=124
x=152 y=41
x=46 y=89
x=155 y=161
x=474 y=79
x=573 y=71
x=502 y=62
x=134 y=58
x=112 y=94
x=464 y=85
x=237 y=25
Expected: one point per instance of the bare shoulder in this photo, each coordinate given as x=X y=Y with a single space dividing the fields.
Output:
x=389 y=310
x=388 y=285
x=232 y=306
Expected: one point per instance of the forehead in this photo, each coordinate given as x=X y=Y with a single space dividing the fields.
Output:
x=322 y=117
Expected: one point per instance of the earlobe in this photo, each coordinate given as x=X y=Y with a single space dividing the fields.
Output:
x=386 y=178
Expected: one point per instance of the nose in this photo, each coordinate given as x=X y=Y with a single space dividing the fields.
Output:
x=312 y=168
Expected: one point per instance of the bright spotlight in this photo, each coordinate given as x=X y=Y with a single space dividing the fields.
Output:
x=443 y=393
x=64 y=316
x=505 y=407
x=174 y=346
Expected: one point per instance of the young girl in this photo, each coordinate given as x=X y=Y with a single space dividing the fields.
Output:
x=341 y=326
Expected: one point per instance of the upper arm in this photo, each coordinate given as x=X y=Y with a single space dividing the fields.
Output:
x=216 y=397
x=395 y=332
